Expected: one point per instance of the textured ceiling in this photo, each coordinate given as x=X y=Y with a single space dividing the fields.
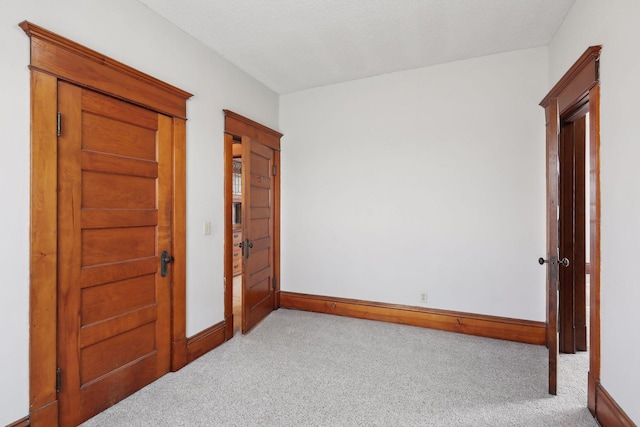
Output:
x=291 y=45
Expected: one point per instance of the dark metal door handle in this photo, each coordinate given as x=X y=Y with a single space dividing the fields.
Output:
x=245 y=248
x=165 y=260
x=563 y=262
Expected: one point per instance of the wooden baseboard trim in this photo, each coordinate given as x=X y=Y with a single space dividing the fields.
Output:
x=205 y=341
x=525 y=331
x=608 y=413
x=44 y=416
x=20 y=423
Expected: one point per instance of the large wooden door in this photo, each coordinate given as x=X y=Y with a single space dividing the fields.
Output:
x=258 y=246
x=114 y=221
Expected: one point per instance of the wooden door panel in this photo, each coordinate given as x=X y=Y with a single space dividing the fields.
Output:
x=105 y=245
x=261 y=213
x=110 y=354
x=115 y=196
x=260 y=275
x=105 y=301
x=113 y=136
x=99 y=274
x=261 y=245
x=115 y=109
x=116 y=386
x=258 y=311
x=261 y=156
x=117 y=325
x=95 y=161
x=258 y=291
x=105 y=190
x=102 y=218
x=260 y=228
x=261 y=196
x=257 y=262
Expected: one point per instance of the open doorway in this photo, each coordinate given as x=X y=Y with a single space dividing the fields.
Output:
x=252 y=223
x=572 y=110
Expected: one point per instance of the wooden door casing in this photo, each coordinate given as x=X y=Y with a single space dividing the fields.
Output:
x=578 y=88
x=114 y=205
x=258 y=246
x=55 y=59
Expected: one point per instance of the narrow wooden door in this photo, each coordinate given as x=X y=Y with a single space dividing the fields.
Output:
x=258 y=213
x=114 y=183
x=580 y=233
x=572 y=278
x=566 y=243
x=552 y=118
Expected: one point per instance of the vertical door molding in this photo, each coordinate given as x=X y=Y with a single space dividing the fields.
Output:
x=53 y=59
x=43 y=404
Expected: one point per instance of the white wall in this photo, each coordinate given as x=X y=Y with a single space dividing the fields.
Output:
x=424 y=180
x=129 y=32
x=614 y=25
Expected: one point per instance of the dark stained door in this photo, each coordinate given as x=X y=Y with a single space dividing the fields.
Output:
x=572 y=243
x=258 y=213
x=114 y=183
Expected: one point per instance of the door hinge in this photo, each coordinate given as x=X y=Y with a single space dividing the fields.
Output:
x=275 y=170
x=59 y=124
x=275 y=283
x=58 y=379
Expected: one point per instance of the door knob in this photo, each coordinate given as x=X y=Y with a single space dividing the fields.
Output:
x=563 y=262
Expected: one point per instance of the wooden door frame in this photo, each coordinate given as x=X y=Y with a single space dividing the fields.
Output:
x=578 y=88
x=53 y=59
x=239 y=126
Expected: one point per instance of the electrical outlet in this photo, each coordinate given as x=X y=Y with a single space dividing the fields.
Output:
x=423 y=297
x=206 y=227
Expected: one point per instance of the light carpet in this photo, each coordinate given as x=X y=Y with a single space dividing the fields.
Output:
x=307 y=369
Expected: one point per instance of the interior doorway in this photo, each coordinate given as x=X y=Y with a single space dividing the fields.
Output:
x=252 y=223
x=116 y=128
x=568 y=126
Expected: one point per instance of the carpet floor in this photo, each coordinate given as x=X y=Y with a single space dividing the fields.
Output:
x=306 y=369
